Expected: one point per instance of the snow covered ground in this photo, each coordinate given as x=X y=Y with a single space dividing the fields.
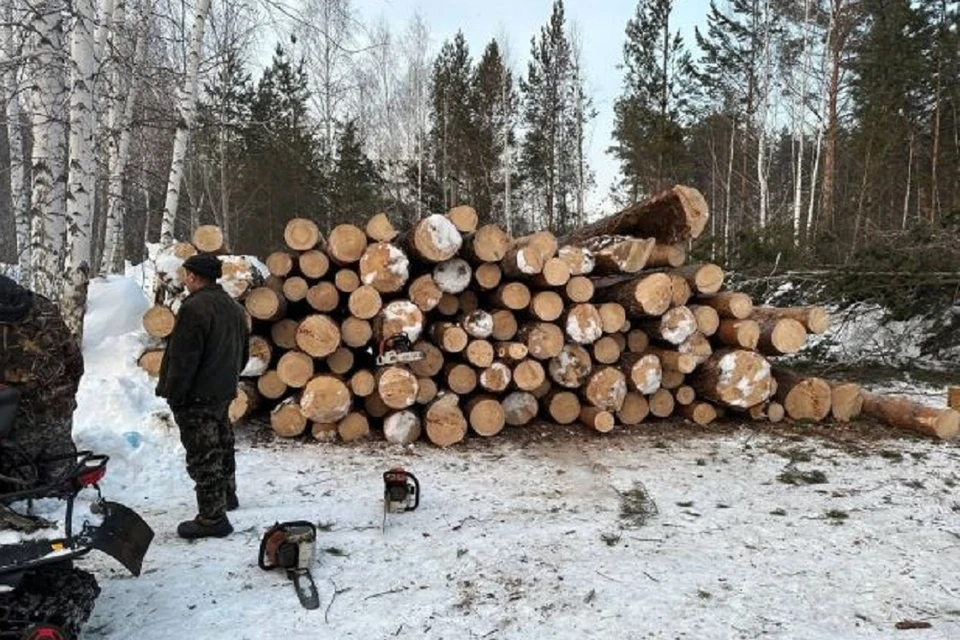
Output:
x=534 y=533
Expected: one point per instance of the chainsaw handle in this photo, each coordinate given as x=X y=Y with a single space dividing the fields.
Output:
x=279 y=527
x=416 y=485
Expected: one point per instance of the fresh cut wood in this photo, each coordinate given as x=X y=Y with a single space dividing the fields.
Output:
x=903 y=413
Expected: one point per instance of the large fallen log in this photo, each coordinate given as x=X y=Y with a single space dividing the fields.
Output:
x=903 y=413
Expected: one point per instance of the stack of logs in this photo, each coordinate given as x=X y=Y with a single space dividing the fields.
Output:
x=605 y=326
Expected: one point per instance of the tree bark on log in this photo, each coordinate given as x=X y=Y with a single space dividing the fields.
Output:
x=744 y=334
x=729 y=304
x=903 y=413
x=814 y=319
x=667 y=255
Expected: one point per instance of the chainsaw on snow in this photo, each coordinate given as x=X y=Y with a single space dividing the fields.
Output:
x=397 y=350
x=292 y=546
x=401 y=492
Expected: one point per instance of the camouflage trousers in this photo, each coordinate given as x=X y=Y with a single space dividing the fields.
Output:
x=207 y=436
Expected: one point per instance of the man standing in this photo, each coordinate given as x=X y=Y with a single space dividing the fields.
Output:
x=198 y=376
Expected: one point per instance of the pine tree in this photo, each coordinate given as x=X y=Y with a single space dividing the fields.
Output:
x=355 y=184
x=649 y=115
x=452 y=134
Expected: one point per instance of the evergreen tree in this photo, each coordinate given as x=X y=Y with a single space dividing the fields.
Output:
x=452 y=135
x=649 y=115
x=355 y=184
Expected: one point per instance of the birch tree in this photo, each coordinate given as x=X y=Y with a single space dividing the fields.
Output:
x=186 y=112
x=9 y=40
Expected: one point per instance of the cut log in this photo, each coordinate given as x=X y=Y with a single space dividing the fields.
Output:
x=667 y=255
x=150 y=361
x=373 y=405
x=325 y=399
x=287 y=420
x=295 y=369
x=612 y=316
x=563 y=407
x=158 y=321
x=478 y=324
x=313 y=264
x=261 y=354
x=295 y=289
x=397 y=387
x=846 y=401
x=674 y=216
x=662 y=403
x=449 y=305
x=402 y=427
x=380 y=229
x=480 y=353
x=208 y=238
x=528 y=375
x=648 y=295
x=802 y=398
x=428 y=390
x=580 y=261
x=365 y=302
x=903 y=413
x=496 y=378
x=301 y=234
x=284 y=333
x=606 y=388
x=323 y=297
x=729 y=304
x=544 y=242
x=341 y=361
x=432 y=239
x=579 y=289
x=702 y=413
x=511 y=351
x=183 y=250
x=384 y=267
x=324 y=431
x=607 y=350
x=674 y=326
x=619 y=254
x=520 y=408
x=702 y=278
x=635 y=409
x=263 y=303
x=469 y=302
x=571 y=367
x=400 y=316
x=432 y=362
x=544 y=388
x=444 y=422
x=425 y=293
x=637 y=341
x=363 y=383
x=274 y=283
x=486 y=416
x=318 y=336
x=488 y=275
x=461 y=378
x=346 y=244
x=489 y=244
x=353 y=427
x=355 y=332
x=680 y=291
x=743 y=334
x=643 y=370
x=555 y=273
x=280 y=264
x=597 y=419
x=685 y=395
x=781 y=336
x=543 y=339
x=346 y=280
x=697 y=345
x=734 y=378
x=671 y=359
x=953 y=398
x=464 y=218
x=521 y=262
x=245 y=403
x=620 y=338
x=453 y=276
x=672 y=379
x=504 y=325
x=708 y=320
x=449 y=337
x=546 y=306
x=271 y=386
x=814 y=319
x=583 y=323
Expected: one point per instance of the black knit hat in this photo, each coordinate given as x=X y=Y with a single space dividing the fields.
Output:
x=205 y=266
x=15 y=301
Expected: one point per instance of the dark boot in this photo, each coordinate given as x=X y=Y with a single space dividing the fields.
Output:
x=201 y=528
x=232 y=502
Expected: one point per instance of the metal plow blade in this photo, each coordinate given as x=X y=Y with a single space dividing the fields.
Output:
x=123 y=535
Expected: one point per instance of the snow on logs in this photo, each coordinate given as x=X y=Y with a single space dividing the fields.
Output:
x=607 y=326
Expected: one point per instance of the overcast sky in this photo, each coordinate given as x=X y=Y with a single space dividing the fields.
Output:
x=600 y=23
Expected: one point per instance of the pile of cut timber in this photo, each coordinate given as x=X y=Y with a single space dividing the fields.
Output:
x=606 y=326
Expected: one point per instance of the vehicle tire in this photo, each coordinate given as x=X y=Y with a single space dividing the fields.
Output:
x=59 y=598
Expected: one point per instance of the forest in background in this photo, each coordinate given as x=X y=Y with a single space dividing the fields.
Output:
x=824 y=133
